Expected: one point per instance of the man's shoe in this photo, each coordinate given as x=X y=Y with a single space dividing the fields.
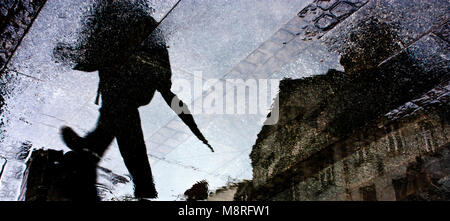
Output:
x=71 y=138
x=148 y=192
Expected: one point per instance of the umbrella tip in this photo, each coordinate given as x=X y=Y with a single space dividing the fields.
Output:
x=210 y=147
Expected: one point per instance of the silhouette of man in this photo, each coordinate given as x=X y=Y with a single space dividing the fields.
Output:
x=130 y=73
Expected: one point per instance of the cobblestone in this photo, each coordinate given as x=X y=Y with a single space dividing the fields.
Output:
x=268 y=68
x=342 y=10
x=15 y=18
x=323 y=14
x=177 y=125
x=165 y=149
x=289 y=51
x=310 y=13
x=326 y=22
x=181 y=136
x=326 y=4
x=358 y=3
x=270 y=47
x=173 y=142
x=166 y=132
x=282 y=36
x=257 y=57
x=295 y=25
x=158 y=138
x=310 y=24
x=310 y=32
x=246 y=68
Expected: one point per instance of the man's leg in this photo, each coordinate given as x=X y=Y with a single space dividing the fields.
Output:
x=97 y=140
x=132 y=147
x=101 y=137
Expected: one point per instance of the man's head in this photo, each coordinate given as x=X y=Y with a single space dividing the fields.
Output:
x=110 y=33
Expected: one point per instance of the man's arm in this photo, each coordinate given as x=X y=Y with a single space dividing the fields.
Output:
x=183 y=112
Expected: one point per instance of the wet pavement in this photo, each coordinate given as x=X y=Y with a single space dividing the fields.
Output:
x=207 y=40
x=42 y=95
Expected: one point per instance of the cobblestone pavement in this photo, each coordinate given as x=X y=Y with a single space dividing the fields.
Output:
x=207 y=36
x=292 y=39
x=16 y=17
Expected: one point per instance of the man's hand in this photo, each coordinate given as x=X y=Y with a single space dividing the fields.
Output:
x=183 y=112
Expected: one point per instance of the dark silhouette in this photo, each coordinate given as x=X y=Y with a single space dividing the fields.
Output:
x=130 y=72
x=198 y=191
x=56 y=176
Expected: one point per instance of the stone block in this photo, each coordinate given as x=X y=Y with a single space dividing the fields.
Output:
x=326 y=22
x=295 y=25
x=310 y=13
x=181 y=136
x=257 y=57
x=309 y=33
x=177 y=125
x=268 y=68
x=342 y=10
x=158 y=138
x=358 y=3
x=288 y=53
x=234 y=74
x=166 y=132
x=173 y=142
x=165 y=149
x=282 y=36
x=246 y=68
x=326 y=4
